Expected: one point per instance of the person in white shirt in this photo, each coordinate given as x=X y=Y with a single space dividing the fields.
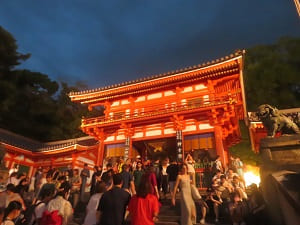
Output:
x=13 y=179
x=190 y=164
x=15 y=169
x=91 y=215
x=46 y=194
x=61 y=205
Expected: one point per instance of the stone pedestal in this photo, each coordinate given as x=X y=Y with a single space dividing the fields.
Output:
x=280 y=175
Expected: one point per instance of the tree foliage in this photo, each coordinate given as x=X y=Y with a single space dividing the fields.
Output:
x=272 y=74
x=243 y=149
x=9 y=57
x=32 y=104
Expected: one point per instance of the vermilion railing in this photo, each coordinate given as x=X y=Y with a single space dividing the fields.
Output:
x=164 y=108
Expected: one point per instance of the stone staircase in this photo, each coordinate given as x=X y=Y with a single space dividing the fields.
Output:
x=169 y=215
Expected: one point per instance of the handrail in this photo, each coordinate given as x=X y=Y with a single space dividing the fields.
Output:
x=162 y=109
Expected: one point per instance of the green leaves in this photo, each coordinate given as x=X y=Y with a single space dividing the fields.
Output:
x=9 y=57
x=272 y=74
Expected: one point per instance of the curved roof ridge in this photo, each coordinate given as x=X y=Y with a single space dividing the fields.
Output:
x=199 y=66
x=11 y=138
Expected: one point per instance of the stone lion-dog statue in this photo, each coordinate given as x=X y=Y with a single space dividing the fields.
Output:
x=274 y=121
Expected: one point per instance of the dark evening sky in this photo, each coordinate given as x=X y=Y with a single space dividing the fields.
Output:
x=107 y=42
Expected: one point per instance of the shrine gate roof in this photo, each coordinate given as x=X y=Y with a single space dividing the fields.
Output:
x=213 y=69
x=10 y=138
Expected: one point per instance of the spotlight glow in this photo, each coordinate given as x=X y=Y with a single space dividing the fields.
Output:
x=251 y=176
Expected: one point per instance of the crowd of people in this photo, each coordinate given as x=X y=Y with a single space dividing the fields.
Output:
x=129 y=189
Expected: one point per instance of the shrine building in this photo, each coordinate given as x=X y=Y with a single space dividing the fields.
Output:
x=195 y=110
x=192 y=110
x=30 y=154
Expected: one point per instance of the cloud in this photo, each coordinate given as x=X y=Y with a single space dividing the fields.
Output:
x=107 y=42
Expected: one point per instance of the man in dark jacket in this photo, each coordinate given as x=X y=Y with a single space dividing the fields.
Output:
x=112 y=206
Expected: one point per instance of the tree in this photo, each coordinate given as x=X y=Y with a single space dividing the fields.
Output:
x=32 y=104
x=243 y=149
x=69 y=114
x=272 y=74
x=9 y=57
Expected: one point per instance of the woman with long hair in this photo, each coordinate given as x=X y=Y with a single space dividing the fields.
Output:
x=150 y=174
x=188 y=209
x=144 y=206
x=11 y=212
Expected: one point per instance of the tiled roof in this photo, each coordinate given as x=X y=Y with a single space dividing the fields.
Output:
x=199 y=66
x=16 y=140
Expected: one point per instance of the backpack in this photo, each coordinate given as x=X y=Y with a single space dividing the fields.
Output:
x=51 y=218
x=28 y=214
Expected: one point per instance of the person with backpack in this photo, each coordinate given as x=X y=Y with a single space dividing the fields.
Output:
x=33 y=213
x=11 y=212
x=46 y=194
x=59 y=210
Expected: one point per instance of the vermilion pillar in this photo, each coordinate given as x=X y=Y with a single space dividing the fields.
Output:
x=100 y=153
x=219 y=145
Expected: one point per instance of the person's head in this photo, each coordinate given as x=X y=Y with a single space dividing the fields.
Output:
x=86 y=166
x=108 y=166
x=47 y=192
x=66 y=173
x=184 y=168
x=117 y=179
x=76 y=172
x=12 y=210
x=64 y=190
x=10 y=188
x=150 y=168
x=100 y=187
x=223 y=178
x=172 y=161
x=48 y=178
x=139 y=165
x=235 y=179
x=128 y=161
x=61 y=179
x=125 y=167
x=145 y=187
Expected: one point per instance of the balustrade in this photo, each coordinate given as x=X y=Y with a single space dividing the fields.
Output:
x=163 y=109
